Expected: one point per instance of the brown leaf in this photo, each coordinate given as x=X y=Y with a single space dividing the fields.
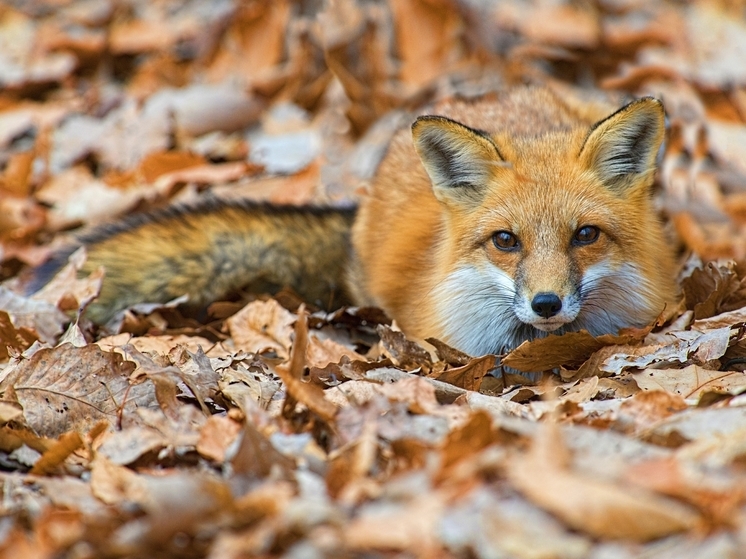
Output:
x=709 y=240
x=218 y=173
x=160 y=163
x=701 y=347
x=710 y=54
x=714 y=289
x=196 y=372
x=403 y=352
x=254 y=40
x=42 y=317
x=57 y=453
x=75 y=196
x=9 y=411
x=416 y=392
x=469 y=376
x=14 y=339
x=15 y=178
x=181 y=502
x=298 y=391
x=20 y=220
x=600 y=508
x=216 y=436
x=569 y=350
x=434 y=44
x=320 y=353
x=69 y=292
x=127 y=446
x=449 y=354
x=670 y=477
x=256 y=457
x=350 y=467
x=114 y=484
x=407 y=526
x=68 y=388
x=138 y=36
x=722 y=320
x=467 y=440
x=562 y=25
x=261 y=326
x=692 y=381
x=165 y=381
x=648 y=407
x=697 y=424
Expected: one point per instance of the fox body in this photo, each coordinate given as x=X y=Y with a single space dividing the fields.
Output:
x=490 y=222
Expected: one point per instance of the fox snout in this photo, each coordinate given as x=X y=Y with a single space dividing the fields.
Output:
x=546 y=305
x=546 y=310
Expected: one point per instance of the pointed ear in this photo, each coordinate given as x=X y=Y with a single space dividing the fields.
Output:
x=623 y=147
x=458 y=159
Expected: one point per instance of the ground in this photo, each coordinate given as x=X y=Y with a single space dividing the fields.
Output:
x=271 y=428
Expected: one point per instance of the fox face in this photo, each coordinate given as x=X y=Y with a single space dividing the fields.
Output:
x=552 y=233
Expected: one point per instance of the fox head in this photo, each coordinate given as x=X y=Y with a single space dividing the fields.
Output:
x=547 y=233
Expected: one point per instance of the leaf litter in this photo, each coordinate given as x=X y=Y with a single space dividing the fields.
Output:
x=268 y=429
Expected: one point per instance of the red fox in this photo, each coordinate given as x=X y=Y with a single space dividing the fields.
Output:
x=491 y=222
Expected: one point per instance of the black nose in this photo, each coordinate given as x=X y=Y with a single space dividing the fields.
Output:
x=546 y=304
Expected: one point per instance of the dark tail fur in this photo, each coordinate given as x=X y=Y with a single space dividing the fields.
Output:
x=211 y=249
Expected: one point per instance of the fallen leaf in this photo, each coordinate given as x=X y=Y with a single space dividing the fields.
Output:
x=714 y=289
x=596 y=507
x=692 y=381
x=114 y=484
x=298 y=391
x=68 y=388
x=703 y=347
x=262 y=326
x=57 y=453
x=569 y=350
x=41 y=317
x=403 y=352
x=646 y=408
x=469 y=376
x=398 y=526
x=14 y=339
x=216 y=436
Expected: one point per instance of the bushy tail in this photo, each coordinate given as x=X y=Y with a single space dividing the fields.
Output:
x=211 y=249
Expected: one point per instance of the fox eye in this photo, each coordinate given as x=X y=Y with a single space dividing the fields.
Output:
x=586 y=235
x=505 y=240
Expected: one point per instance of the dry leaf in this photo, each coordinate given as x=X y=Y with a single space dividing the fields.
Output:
x=691 y=381
x=569 y=350
x=599 y=508
x=469 y=376
x=68 y=388
x=13 y=339
x=216 y=436
x=261 y=326
x=434 y=44
x=713 y=290
x=41 y=317
x=298 y=391
x=57 y=453
x=702 y=347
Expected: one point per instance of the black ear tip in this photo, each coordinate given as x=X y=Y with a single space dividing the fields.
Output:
x=417 y=122
x=651 y=103
x=425 y=119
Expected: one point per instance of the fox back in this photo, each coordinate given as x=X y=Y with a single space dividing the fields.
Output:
x=504 y=219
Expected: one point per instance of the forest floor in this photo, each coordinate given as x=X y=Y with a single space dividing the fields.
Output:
x=275 y=429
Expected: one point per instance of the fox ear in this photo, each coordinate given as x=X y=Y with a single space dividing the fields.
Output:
x=458 y=159
x=623 y=147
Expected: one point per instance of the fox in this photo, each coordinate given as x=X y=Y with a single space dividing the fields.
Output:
x=489 y=222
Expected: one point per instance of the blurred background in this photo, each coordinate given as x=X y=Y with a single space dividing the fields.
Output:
x=115 y=106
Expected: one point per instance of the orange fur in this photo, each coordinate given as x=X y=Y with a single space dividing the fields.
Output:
x=540 y=171
x=489 y=223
